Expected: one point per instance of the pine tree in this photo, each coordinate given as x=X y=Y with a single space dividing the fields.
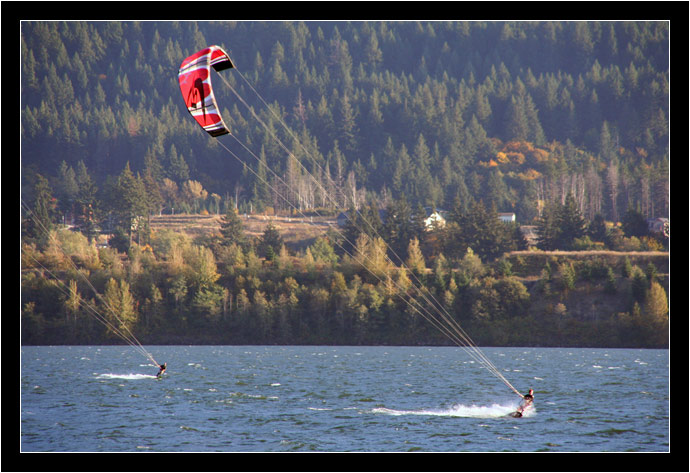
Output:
x=606 y=142
x=397 y=229
x=130 y=201
x=372 y=52
x=66 y=190
x=481 y=107
x=496 y=190
x=470 y=266
x=656 y=303
x=560 y=225
x=178 y=170
x=401 y=172
x=231 y=228
x=597 y=229
x=654 y=317
x=547 y=228
x=29 y=79
x=422 y=180
x=120 y=308
x=347 y=125
x=323 y=123
x=202 y=272
x=571 y=224
x=270 y=242
x=415 y=258
x=323 y=251
x=87 y=215
x=152 y=164
x=516 y=126
x=535 y=132
x=41 y=216
x=634 y=224
x=481 y=230
x=583 y=44
x=371 y=222
x=72 y=301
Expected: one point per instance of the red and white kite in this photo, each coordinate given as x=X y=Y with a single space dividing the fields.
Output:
x=195 y=85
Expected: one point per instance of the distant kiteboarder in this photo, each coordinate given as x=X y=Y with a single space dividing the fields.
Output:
x=163 y=368
x=526 y=403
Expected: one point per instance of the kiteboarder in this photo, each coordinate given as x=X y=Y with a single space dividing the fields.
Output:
x=162 y=370
x=527 y=401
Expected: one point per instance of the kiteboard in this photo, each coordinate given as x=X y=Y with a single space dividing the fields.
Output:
x=520 y=412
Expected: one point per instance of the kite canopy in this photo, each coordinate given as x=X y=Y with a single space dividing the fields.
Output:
x=195 y=84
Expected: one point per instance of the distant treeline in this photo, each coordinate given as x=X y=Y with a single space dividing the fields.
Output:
x=227 y=288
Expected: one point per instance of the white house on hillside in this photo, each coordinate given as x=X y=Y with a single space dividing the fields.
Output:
x=434 y=218
x=506 y=217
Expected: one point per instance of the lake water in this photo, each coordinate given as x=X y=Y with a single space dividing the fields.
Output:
x=341 y=399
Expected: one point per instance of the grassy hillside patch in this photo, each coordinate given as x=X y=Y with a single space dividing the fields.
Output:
x=298 y=233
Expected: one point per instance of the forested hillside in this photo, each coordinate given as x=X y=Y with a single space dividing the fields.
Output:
x=564 y=124
x=516 y=114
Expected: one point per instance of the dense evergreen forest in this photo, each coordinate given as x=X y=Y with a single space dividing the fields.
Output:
x=516 y=113
x=564 y=124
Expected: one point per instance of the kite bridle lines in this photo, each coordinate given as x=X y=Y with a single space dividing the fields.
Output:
x=123 y=330
x=434 y=312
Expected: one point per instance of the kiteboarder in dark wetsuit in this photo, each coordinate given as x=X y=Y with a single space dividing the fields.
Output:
x=162 y=370
x=527 y=401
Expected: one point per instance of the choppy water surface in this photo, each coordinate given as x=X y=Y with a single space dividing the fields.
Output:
x=341 y=399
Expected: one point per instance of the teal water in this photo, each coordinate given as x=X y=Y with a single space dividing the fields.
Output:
x=341 y=399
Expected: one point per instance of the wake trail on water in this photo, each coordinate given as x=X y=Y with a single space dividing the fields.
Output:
x=458 y=410
x=125 y=376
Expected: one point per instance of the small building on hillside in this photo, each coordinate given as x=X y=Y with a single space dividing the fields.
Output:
x=435 y=218
x=658 y=225
x=507 y=217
